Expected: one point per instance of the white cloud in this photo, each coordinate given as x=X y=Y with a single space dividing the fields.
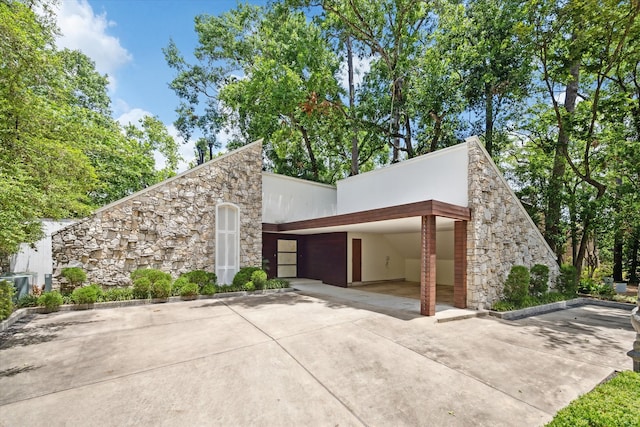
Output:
x=361 y=66
x=133 y=116
x=83 y=30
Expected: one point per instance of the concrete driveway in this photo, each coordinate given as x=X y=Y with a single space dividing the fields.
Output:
x=290 y=359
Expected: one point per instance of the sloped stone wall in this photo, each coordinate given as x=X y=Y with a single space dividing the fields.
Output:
x=500 y=234
x=169 y=226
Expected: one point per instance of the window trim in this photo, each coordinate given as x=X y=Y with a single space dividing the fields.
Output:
x=219 y=233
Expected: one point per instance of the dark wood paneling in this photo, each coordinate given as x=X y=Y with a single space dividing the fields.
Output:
x=270 y=252
x=425 y=208
x=356 y=260
x=324 y=257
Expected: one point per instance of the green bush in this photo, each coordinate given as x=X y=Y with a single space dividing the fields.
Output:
x=249 y=286
x=243 y=276
x=605 y=291
x=614 y=403
x=276 y=284
x=189 y=290
x=75 y=277
x=259 y=279
x=50 y=300
x=160 y=289
x=208 y=289
x=141 y=288
x=150 y=273
x=117 y=294
x=6 y=299
x=201 y=277
x=568 y=280
x=86 y=295
x=180 y=282
x=28 y=300
x=503 y=306
x=516 y=287
x=539 y=280
x=588 y=286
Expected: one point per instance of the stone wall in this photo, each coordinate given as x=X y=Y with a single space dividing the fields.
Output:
x=169 y=226
x=500 y=234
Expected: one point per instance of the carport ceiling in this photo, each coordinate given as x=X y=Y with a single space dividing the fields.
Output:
x=390 y=226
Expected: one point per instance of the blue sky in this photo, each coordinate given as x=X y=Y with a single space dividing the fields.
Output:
x=125 y=39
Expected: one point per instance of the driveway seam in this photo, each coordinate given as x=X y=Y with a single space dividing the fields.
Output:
x=344 y=404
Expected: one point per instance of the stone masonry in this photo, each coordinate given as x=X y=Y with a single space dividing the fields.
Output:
x=500 y=234
x=169 y=226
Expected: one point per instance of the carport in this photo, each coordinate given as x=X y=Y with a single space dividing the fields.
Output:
x=323 y=246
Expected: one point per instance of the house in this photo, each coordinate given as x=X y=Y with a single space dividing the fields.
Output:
x=447 y=217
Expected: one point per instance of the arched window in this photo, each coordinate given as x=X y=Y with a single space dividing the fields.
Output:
x=227 y=242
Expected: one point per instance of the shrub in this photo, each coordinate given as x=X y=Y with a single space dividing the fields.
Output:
x=516 y=287
x=189 y=290
x=243 y=276
x=75 y=276
x=6 y=298
x=208 y=289
x=276 y=284
x=179 y=284
x=201 y=277
x=117 y=294
x=141 y=288
x=160 y=289
x=539 y=283
x=50 y=300
x=86 y=295
x=150 y=273
x=259 y=278
x=249 y=286
x=503 y=306
x=28 y=300
x=568 y=280
x=588 y=286
x=613 y=403
x=606 y=291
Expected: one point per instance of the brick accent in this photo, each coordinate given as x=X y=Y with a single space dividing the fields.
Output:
x=460 y=264
x=428 y=266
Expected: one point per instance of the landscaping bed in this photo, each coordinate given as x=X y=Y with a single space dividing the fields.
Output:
x=559 y=305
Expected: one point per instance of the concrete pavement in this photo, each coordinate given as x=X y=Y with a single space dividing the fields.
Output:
x=291 y=359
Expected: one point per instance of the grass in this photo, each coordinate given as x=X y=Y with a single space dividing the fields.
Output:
x=614 y=403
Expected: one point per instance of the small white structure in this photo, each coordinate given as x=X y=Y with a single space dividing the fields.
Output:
x=36 y=259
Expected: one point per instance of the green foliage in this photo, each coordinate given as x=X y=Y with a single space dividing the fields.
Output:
x=160 y=289
x=259 y=278
x=141 y=288
x=276 y=284
x=28 y=300
x=503 y=306
x=208 y=289
x=243 y=276
x=249 y=286
x=200 y=277
x=606 y=291
x=150 y=273
x=50 y=300
x=118 y=294
x=189 y=289
x=179 y=283
x=86 y=295
x=75 y=275
x=6 y=298
x=539 y=283
x=516 y=287
x=568 y=280
x=614 y=403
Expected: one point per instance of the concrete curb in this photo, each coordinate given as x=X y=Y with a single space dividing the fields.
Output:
x=22 y=312
x=555 y=306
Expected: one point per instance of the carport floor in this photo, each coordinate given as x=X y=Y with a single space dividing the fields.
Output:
x=406 y=289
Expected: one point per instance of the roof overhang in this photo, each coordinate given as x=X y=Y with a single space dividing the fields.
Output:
x=393 y=216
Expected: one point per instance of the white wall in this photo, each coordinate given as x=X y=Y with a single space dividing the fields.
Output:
x=38 y=259
x=441 y=175
x=403 y=250
x=286 y=199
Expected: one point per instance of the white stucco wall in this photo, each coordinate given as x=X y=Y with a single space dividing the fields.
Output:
x=441 y=175
x=38 y=259
x=286 y=199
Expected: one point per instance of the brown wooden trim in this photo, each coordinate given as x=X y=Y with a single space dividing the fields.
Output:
x=425 y=208
x=269 y=228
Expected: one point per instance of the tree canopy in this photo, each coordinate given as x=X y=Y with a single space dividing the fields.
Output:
x=61 y=152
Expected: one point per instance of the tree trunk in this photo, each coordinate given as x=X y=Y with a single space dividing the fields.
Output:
x=488 y=119
x=633 y=265
x=354 y=130
x=617 y=255
x=312 y=157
